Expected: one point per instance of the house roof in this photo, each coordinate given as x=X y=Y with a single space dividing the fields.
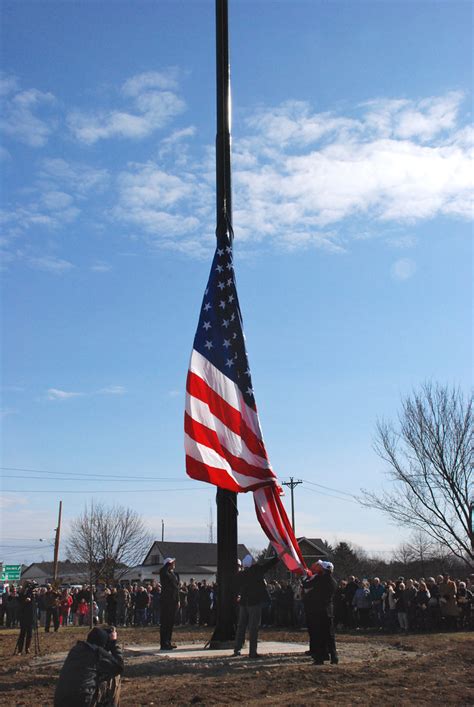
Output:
x=67 y=567
x=190 y=555
x=317 y=543
x=317 y=547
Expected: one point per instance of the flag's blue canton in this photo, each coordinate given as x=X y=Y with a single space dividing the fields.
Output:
x=219 y=336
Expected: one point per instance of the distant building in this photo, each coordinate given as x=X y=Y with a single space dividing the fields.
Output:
x=312 y=550
x=68 y=572
x=197 y=560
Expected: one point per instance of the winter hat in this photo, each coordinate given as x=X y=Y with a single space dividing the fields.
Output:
x=169 y=560
x=326 y=565
x=98 y=637
x=247 y=561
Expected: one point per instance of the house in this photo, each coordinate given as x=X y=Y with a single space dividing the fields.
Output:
x=312 y=550
x=197 y=560
x=68 y=572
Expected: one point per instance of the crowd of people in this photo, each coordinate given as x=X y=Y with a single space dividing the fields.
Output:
x=426 y=604
x=393 y=605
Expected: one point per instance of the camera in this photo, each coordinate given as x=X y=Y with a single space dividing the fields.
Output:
x=30 y=589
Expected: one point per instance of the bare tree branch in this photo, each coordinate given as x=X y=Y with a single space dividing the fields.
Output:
x=108 y=540
x=428 y=455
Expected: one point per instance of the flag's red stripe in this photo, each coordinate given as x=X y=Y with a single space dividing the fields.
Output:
x=203 y=435
x=219 y=477
x=285 y=522
x=281 y=536
x=231 y=417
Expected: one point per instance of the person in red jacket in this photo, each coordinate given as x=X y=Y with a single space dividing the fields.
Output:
x=65 y=604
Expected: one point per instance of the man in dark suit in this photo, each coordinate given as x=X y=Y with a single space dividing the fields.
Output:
x=169 y=581
x=319 y=592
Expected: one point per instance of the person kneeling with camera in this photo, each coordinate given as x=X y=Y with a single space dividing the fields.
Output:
x=90 y=676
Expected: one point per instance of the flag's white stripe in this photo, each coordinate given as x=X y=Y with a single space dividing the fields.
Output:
x=262 y=502
x=226 y=388
x=200 y=412
x=265 y=509
x=211 y=458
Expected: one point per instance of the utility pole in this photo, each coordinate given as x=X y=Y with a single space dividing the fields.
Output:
x=162 y=531
x=292 y=483
x=56 y=545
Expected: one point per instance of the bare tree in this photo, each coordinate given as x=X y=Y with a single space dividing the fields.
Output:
x=109 y=539
x=429 y=459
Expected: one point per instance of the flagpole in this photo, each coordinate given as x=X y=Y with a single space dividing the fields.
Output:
x=226 y=500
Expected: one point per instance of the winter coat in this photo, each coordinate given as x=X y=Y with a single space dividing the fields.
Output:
x=447 y=601
x=361 y=598
x=319 y=594
x=84 y=668
x=169 y=586
x=251 y=584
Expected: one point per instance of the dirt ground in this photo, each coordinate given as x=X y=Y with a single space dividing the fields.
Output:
x=422 y=669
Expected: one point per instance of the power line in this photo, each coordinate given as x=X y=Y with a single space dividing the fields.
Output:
x=331 y=495
x=77 y=475
x=108 y=491
x=329 y=488
x=101 y=479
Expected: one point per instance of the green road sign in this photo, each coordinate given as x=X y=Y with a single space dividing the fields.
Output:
x=11 y=573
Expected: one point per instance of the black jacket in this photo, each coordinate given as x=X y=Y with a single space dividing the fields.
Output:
x=250 y=583
x=169 y=586
x=320 y=592
x=84 y=668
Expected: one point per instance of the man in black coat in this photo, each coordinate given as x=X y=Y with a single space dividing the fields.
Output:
x=319 y=592
x=27 y=612
x=90 y=674
x=169 y=581
x=253 y=593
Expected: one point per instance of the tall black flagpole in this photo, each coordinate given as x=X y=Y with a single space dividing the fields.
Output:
x=226 y=500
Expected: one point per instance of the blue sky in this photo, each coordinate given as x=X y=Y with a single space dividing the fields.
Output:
x=352 y=176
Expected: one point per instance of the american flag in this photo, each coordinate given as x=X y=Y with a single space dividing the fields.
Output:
x=223 y=439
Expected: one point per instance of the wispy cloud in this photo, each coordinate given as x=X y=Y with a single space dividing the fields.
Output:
x=6 y=412
x=302 y=179
x=51 y=264
x=58 y=394
x=154 y=103
x=101 y=267
x=300 y=175
x=112 y=390
x=27 y=115
x=169 y=207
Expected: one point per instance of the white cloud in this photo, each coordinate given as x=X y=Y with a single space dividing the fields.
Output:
x=112 y=390
x=421 y=119
x=300 y=176
x=403 y=242
x=154 y=105
x=403 y=269
x=20 y=114
x=56 y=394
x=101 y=267
x=160 y=203
x=6 y=412
x=8 y=83
x=78 y=177
x=150 y=80
x=50 y=263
